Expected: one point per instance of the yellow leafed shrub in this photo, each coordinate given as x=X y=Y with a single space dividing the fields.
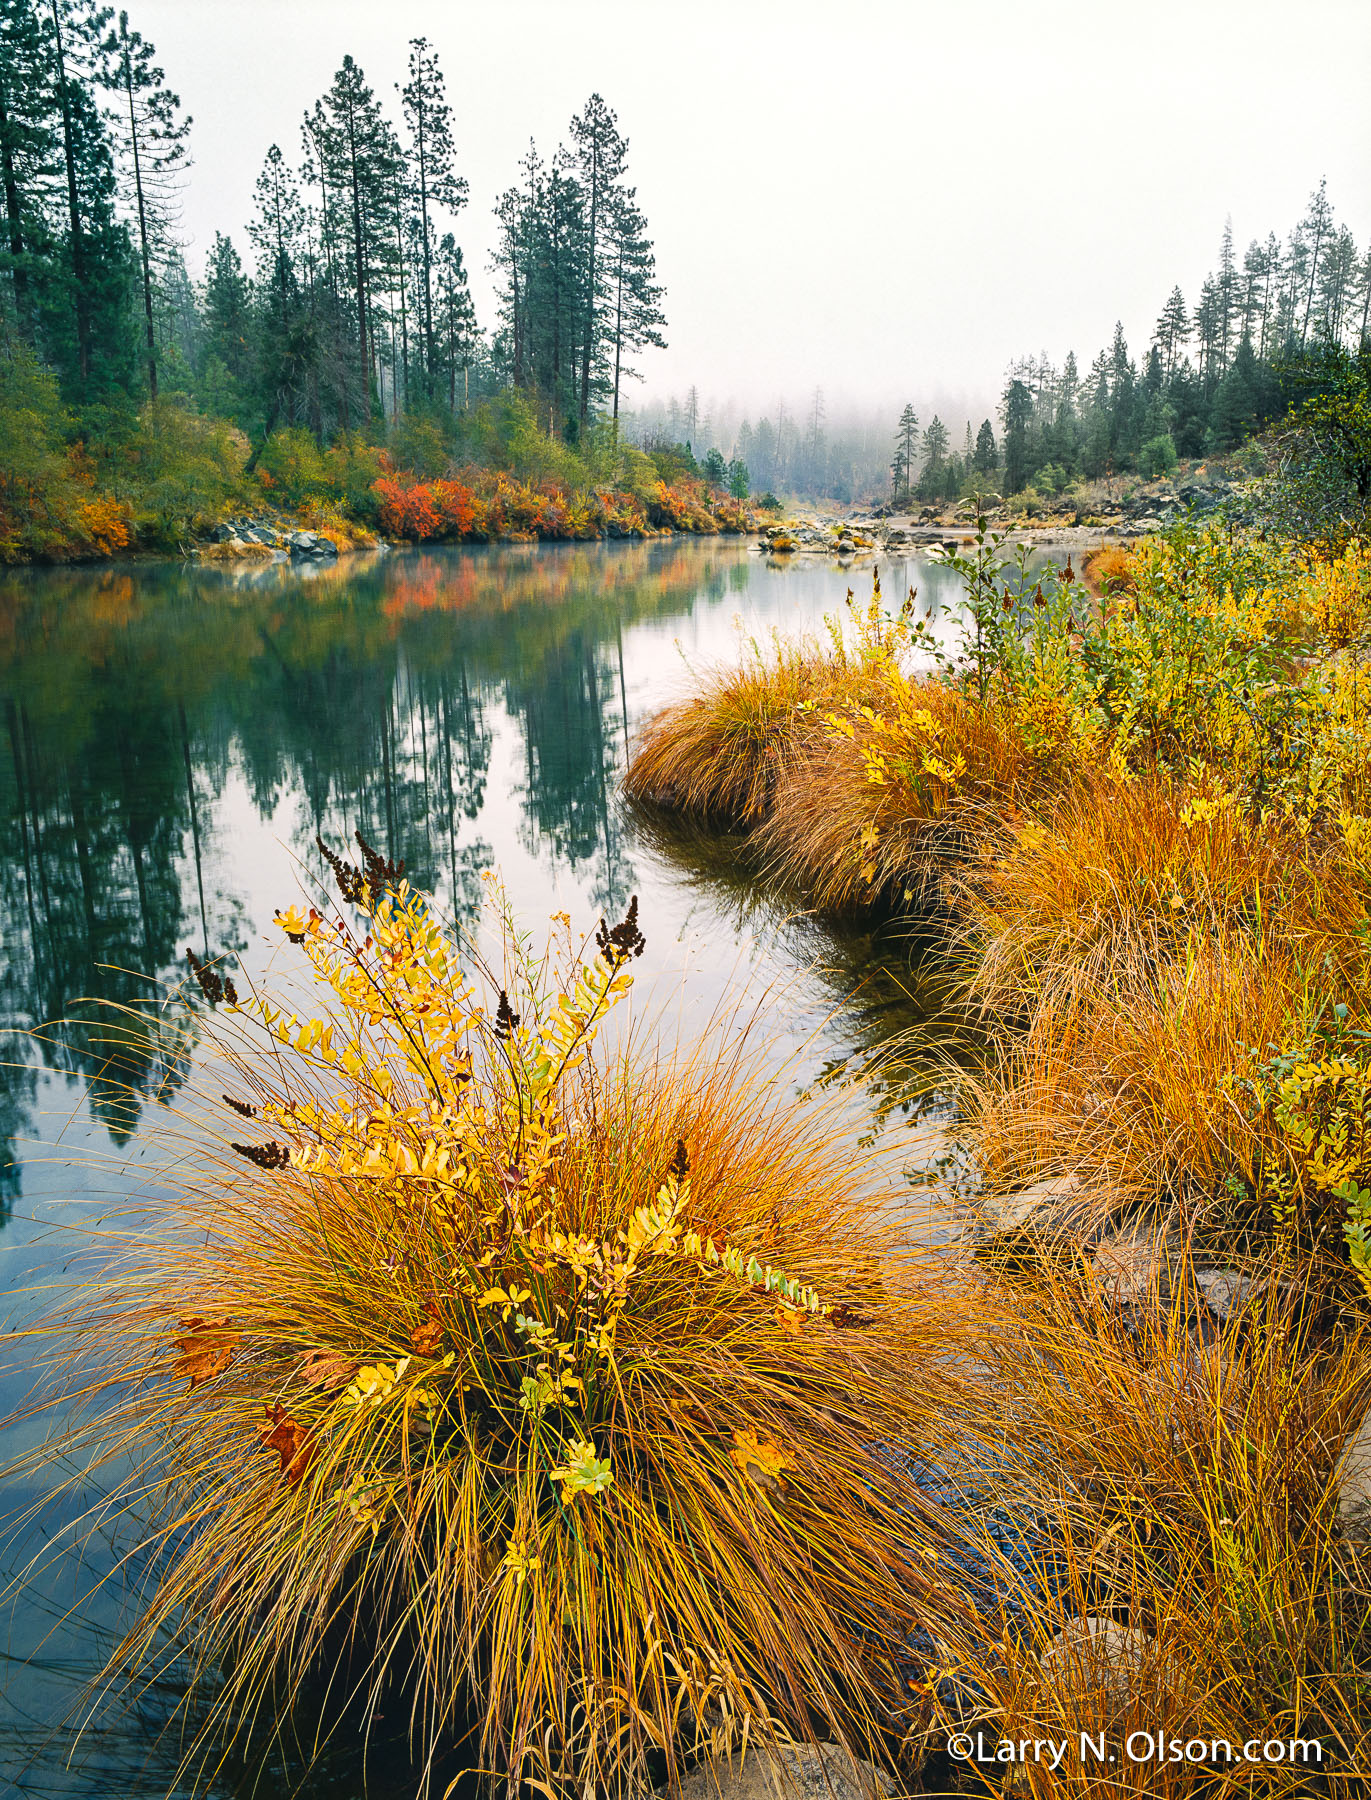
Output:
x=557 y=1374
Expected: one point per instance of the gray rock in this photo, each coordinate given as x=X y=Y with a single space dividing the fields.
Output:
x=795 y=1772
x=221 y=534
x=1133 y=1264
x=1352 y=1479
x=1228 y=1291
x=1043 y=1203
x=1093 y=1656
x=845 y=546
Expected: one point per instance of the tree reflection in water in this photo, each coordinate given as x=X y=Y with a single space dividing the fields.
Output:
x=145 y=706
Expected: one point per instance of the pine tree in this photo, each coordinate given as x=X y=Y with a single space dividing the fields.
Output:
x=1172 y=330
x=637 y=317
x=1017 y=412
x=154 y=153
x=600 y=157
x=906 y=441
x=456 y=318
x=358 y=154
x=1315 y=228
x=226 y=310
x=28 y=154
x=434 y=180
x=987 y=453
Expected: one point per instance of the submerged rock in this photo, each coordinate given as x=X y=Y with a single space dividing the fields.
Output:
x=793 y=1772
x=1044 y=1206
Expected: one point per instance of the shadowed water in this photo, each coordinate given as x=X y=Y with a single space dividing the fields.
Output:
x=173 y=739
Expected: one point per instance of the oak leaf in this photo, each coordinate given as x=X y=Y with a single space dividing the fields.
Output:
x=761 y=1461
x=426 y=1339
x=327 y=1369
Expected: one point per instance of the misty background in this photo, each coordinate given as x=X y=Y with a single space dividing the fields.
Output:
x=878 y=202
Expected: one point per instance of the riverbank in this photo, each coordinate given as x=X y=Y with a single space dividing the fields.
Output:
x=1135 y=828
x=164 y=478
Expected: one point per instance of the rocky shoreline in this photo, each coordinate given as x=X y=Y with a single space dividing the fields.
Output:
x=1096 y=518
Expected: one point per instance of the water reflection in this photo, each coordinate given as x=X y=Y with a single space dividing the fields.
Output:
x=174 y=739
x=147 y=710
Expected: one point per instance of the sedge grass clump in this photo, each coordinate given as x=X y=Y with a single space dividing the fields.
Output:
x=1187 y=1497
x=883 y=794
x=549 y=1378
x=721 y=754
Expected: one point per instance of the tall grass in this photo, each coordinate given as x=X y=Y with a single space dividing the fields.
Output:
x=545 y=1379
x=1186 y=1494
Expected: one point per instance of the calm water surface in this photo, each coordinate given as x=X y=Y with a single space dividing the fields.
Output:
x=173 y=738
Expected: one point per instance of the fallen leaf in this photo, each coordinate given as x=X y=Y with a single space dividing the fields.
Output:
x=327 y=1369
x=206 y=1350
x=426 y=1339
x=291 y=1442
x=759 y=1459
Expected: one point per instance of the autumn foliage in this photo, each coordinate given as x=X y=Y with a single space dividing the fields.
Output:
x=487 y=505
x=536 y=1364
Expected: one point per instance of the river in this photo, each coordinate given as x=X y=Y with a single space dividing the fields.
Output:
x=174 y=737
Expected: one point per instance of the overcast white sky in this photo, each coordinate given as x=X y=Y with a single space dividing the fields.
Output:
x=889 y=200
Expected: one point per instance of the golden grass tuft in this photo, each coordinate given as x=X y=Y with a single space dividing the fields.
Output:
x=550 y=1379
x=722 y=753
x=1109 y=569
x=1186 y=1493
x=876 y=801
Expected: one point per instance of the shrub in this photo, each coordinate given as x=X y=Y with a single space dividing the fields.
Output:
x=296 y=466
x=533 y=1367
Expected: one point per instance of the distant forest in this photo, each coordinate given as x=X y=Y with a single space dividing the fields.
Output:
x=1211 y=377
x=344 y=316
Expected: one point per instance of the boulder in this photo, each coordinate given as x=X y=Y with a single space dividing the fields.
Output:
x=846 y=546
x=793 y=1772
x=1352 y=1480
x=1227 y=1291
x=1132 y=1264
x=1099 y=1656
x=1044 y=1205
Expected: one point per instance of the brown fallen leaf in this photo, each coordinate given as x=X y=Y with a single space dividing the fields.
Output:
x=206 y=1349
x=426 y=1339
x=291 y=1441
x=327 y=1369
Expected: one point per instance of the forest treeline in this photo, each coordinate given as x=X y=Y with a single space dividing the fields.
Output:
x=337 y=344
x=1213 y=374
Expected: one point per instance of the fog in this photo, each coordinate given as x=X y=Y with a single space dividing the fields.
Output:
x=884 y=201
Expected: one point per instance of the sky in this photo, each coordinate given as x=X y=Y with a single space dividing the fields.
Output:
x=885 y=201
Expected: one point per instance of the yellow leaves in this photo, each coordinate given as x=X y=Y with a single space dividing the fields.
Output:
x=520 y=1561
x=583 y=1472
x=1200 y=808
x=508 y=1300
x=374 y=1383
x=760 y=1461
x=365 y=1499
x=297 y=925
